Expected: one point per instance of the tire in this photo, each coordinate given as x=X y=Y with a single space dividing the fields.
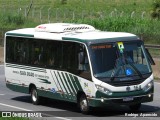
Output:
x=34 y=96
x=135 y=107
x=83 y=104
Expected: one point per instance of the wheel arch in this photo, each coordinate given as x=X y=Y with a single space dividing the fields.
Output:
x=31 y=86
x=79 y=93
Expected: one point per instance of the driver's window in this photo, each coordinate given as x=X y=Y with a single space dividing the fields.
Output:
x=83 y=63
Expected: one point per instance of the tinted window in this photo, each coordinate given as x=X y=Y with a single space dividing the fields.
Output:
x=66 y=56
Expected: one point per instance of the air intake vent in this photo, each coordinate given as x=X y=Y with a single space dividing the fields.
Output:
x=63 y=27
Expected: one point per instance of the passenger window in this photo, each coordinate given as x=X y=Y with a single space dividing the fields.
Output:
x=54 y=54
x=67 y=56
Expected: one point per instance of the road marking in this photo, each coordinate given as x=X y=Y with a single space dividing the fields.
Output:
x=15 y=107
x=2 y=94
x=32 y=111
x=63 y=118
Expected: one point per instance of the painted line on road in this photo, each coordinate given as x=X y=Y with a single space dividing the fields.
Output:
x=15 y=107
x=2 y=94
x=49 y=115
x=32 y=111
x=63 y=118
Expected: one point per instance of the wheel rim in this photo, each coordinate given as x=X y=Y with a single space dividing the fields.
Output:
x=34 y=95
x=84 y=104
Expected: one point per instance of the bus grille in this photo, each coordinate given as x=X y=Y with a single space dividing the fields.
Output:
x=126 y=83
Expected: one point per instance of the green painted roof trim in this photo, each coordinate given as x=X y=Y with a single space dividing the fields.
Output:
x=18 y=34
x=104 y=39
x=74 y=39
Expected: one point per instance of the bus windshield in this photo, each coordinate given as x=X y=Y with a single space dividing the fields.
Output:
x=120 y=59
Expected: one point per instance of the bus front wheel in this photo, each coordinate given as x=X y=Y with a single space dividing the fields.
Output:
x=34 y=96
x=135 y=107
x=83 y=104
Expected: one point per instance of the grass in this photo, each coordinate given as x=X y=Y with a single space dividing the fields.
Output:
x=155 y=53
x=157 y=79
x=110 y=15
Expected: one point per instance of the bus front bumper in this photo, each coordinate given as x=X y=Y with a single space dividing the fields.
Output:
x=102 y=102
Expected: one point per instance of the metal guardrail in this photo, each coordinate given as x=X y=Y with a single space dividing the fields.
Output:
x=152 y=46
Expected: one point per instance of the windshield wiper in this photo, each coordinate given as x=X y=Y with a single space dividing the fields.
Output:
x=129 y=63
x=115 y=73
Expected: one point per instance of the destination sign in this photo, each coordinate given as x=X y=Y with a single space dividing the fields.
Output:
x=101 y=46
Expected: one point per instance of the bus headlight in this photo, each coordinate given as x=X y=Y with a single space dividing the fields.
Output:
x=104 y=90
x=148 y=86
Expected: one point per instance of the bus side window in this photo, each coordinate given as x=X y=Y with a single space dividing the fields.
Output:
x=10 y=54
x=83 y=63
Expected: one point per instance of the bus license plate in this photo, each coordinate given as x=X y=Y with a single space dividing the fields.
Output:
x=127 y=99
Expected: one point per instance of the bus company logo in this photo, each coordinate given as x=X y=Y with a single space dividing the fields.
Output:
x=128 y=88
x=6 y=114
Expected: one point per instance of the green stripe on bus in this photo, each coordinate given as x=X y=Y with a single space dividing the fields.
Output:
x=16 y=65
x=29 y=69
x=44 y=81
x=59 y=83
x=103 y=39
x=78 y=83
x=69 y=80
x=18 y=88
x=25 y=67
x=54 y=81
x=74 y=39
x=74 y=83
x=18 y=34
x=68 y=85
x=63 y=85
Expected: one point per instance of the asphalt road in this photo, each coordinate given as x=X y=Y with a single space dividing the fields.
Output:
x=59 y=110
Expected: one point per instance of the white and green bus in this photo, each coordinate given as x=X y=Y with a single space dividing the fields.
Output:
x=80 y=64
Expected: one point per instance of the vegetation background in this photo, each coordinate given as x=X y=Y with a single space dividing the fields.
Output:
x=141 y=17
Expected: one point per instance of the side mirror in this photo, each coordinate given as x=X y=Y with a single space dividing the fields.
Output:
x=149 y=57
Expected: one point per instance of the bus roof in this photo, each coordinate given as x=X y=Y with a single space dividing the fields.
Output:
x=73 y=32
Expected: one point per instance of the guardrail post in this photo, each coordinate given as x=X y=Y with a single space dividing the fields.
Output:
x=25 y=14
x=143 y=13
x=73 y=17
x=132 y=14
x=57 y=14
x=49 y=15
x=111 y=14
x=33 y=10
x=41 y=14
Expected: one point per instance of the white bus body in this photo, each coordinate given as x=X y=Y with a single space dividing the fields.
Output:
x=77 y=63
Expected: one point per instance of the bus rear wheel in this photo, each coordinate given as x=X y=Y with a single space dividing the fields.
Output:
x=83 y=104
x=135 y=107
x=34 y=96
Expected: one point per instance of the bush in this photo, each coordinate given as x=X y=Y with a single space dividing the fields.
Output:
x=63 y=1
x=14 y=19
x=155 y=13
